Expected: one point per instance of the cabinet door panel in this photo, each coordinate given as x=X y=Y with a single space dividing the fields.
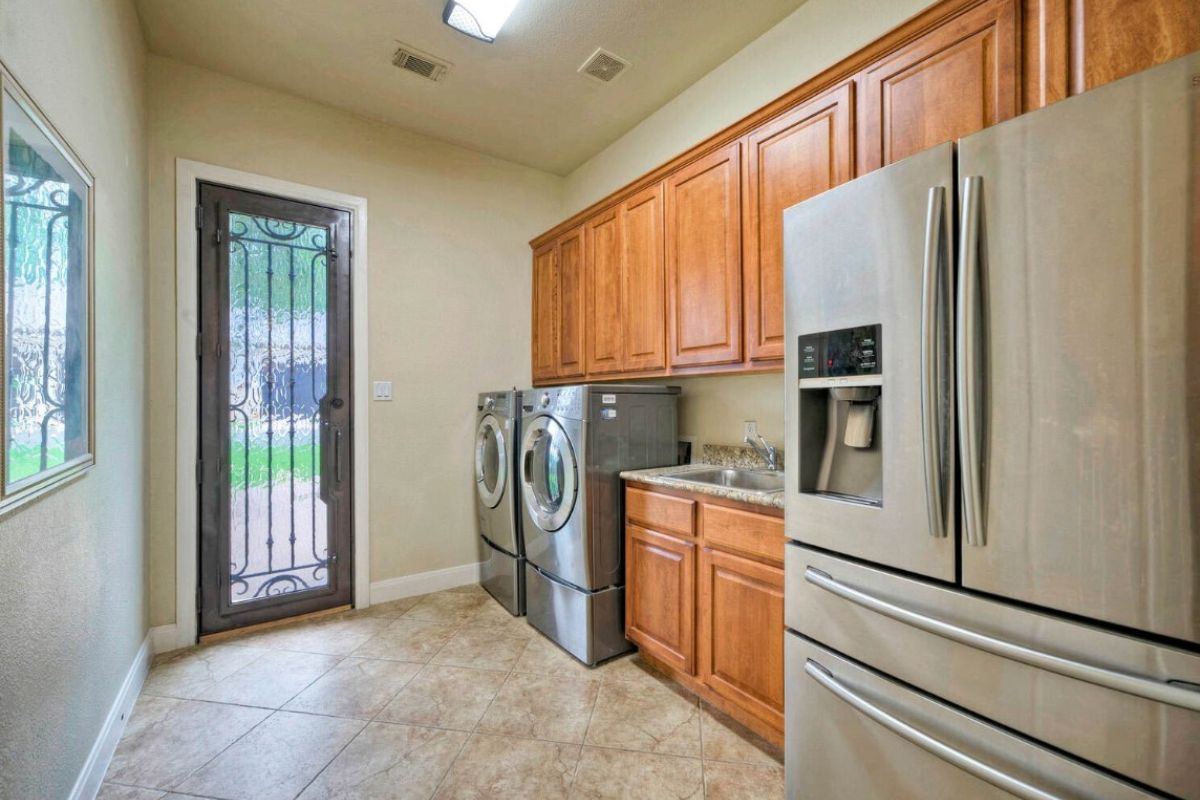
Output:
x=958 y=78
x=660 y=605
x=570 y=305
x=788 y=160
x=644 y=297
x=545 y=315
x=704 y=275
x=604 y=328
x=1115 y=38
x=741 y=633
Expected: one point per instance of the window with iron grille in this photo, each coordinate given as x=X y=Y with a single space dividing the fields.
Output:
x=46 y=308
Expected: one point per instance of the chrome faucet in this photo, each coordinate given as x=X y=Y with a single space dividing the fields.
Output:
x=765 y=451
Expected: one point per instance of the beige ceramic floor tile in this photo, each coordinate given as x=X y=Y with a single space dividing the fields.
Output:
x=445 y=697
x=405 y=639
x=503 y=768
x=333 y=636
x=494 y=617
x=275 y=760
x=188 y=673
x=113 y=791
x=447 y=607
x=469 y=588
x=167 y=738
x=270 y=680
x=631 y=668
x=726 y=739
x=541 y=707
x=481 y=649
x=606 y=774
x=544 y=657
x=357 y=687
x=742 y=781
x=392 y=608
x=652 y=717
x=388 y=762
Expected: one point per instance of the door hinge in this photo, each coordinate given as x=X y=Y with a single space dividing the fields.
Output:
x=218 y=234
x=199 y=599
x=199 y=471
x=199 y=217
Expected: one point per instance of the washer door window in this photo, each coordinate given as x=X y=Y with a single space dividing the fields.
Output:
x=549 y=474
x=491 y=461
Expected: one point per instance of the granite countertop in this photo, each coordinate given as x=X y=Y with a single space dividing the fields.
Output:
x=713 y=457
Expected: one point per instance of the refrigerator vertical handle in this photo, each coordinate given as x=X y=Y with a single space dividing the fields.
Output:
x=966 y=361
x=933 y=434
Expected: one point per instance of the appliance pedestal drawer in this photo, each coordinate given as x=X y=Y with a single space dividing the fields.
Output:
x=853 y=733
x=1079 y=688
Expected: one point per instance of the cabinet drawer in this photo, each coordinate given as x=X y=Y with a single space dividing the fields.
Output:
x=744 y=531
x=660 y=512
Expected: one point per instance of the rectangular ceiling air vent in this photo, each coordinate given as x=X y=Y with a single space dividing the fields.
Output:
x=603 y=65
x=423 y=64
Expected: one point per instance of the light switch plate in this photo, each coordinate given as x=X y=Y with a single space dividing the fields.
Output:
x=382 y=390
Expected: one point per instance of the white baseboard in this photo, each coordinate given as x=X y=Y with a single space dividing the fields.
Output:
x=165 y=638
x=424 y=582
x=87 y=785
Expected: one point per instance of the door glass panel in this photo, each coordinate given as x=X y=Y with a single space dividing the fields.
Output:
x=278 y=527
x=487 y=458
x=549 y=472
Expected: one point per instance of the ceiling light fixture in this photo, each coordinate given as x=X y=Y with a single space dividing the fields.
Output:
x=479 y=19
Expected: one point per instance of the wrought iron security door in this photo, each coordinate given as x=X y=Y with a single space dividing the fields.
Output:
x=274 y=354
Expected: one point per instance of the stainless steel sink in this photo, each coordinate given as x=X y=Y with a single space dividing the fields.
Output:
x=747 y=479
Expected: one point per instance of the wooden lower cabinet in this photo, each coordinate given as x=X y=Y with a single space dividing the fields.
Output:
x=660 y=603
x=709 y=610
x=741 y=632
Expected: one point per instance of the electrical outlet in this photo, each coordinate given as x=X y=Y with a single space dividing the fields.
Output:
x=382 y=390
x=751 y=431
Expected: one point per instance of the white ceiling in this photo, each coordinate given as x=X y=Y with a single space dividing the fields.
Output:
x=519 y=98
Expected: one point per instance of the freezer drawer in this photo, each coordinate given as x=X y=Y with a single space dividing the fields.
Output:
x=855 y=734
x=1114 y=700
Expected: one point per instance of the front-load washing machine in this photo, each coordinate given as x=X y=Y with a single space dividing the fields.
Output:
x=575 y=441
x=501 y=549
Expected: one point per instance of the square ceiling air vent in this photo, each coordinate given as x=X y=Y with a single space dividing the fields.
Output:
x=603 y=65
x=414 y=61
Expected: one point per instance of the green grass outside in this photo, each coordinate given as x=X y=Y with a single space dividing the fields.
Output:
x=307 y=457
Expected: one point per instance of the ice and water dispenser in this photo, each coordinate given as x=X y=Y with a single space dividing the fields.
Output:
x=841 y=384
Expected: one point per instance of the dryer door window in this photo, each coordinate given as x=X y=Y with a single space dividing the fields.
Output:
x=550 y=474
x=491 y=461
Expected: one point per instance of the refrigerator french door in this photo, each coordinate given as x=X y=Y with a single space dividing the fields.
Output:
x=993 y=425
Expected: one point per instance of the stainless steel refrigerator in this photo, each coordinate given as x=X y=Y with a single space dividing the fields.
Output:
x=993 y=434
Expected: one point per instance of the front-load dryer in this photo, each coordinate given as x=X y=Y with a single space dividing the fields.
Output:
x=501 y=549
x=575 y=442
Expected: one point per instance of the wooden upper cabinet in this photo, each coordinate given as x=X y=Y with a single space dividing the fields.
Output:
x=604 y=333
x=570 y=310
x=704 y=261
x=959 y=77
x=791 y=158
x=545 y=314
x=1115 y=38
x=644 y=290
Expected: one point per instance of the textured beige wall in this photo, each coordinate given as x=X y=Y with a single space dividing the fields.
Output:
x=815 y=36
x=448 y=306
x=72 y=608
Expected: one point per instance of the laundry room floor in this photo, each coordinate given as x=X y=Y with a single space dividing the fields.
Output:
x=443 y=696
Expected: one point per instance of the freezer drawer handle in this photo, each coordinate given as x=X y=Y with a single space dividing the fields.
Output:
x=935 y=262
x=1173 y=693
x=966 y=362
x=936 y=747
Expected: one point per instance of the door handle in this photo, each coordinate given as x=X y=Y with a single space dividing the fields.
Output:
x=527 y=466
x=930 y=744
x=1171 y=693
x=337 y=456
x=966 y=362
x=936 y=260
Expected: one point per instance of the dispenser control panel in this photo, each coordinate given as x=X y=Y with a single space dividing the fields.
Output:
x=841 y=353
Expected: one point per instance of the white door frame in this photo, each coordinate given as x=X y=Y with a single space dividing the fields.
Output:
x=187 y=173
